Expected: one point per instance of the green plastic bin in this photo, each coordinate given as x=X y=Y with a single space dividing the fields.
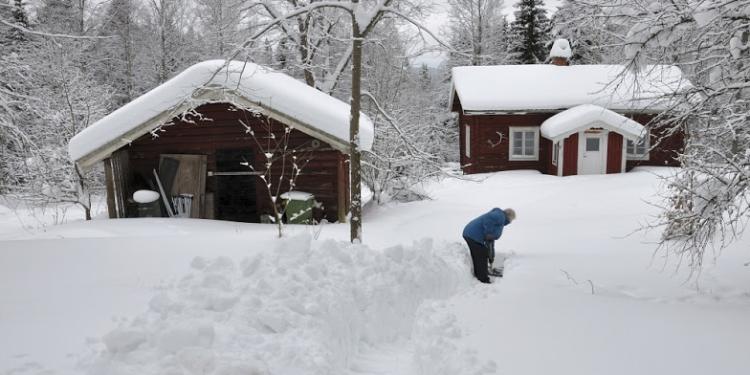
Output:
x=299 y=206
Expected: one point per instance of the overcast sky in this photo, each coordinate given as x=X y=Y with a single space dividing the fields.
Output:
x=437 y=21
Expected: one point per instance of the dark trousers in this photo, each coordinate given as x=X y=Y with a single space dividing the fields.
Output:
x=480 y=257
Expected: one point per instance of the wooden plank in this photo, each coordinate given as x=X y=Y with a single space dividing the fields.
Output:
x=614 y=153
x=341 y=188
x=570 y=161
x=120 y=179
x=190 y=179
x=110 y=184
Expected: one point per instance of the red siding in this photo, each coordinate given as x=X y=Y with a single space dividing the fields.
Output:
x=570 y=158
x=665 y=147
x=489 y=155
x=490 y=151
x=614 y=153
x=221 y=129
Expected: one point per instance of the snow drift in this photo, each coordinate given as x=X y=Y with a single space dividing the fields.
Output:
x=297 y=309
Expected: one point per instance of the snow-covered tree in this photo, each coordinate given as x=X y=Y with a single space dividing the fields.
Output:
x=593 y=40
x=119 y=58
x=13 y=13
x=708 y=202
x=58 y=16
x=362 y=17
x=477 y=29
x=220 y=22
x=169 y=28
x=530 y=33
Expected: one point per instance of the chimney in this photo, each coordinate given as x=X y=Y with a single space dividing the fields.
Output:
x=560 y=53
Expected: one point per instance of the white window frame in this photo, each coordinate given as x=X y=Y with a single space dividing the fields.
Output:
x=467 y=141
x=555 y=153
x=638 y=156
x=511 y=137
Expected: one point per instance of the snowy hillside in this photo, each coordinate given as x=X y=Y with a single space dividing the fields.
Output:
x=582 y=294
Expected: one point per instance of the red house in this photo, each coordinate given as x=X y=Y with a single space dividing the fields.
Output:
x=562 y=119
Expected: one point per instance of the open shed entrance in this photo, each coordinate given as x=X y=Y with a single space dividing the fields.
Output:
x=235 y=198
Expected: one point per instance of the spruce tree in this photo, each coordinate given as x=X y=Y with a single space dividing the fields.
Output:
x=530 y=33
x=17 y=16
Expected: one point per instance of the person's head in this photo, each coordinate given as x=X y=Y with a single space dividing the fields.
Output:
x=510 y=214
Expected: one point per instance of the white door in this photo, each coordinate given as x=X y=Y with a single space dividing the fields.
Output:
x=592 y=155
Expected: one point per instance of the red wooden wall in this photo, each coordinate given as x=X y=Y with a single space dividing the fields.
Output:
x=490 y=152
x=487 y=155
x=570 y=158
x=614 y=153
x=221 y=129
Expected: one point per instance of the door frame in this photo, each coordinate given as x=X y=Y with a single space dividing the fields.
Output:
x=603 y=136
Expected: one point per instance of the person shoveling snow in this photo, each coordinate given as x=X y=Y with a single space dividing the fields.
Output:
x=480 y=234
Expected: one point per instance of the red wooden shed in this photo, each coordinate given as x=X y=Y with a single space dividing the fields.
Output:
x=231 y=136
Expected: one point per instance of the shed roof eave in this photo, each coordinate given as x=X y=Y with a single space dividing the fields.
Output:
x=199 y=98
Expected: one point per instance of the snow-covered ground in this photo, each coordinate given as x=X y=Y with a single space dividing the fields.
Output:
x=582 y=294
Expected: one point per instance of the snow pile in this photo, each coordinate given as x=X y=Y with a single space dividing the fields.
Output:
x=583 y=117
x=297 y=309
x=197 y=85
x=551 y=87
x=561 y=48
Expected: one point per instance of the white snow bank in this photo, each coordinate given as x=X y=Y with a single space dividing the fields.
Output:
x=561 y=48
x=296 y=309
x=260 y=85
x=585 y=116
x=552 y=87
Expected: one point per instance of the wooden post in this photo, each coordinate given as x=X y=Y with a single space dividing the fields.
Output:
x=110 y=183
x=116 y=180
x=342 y=188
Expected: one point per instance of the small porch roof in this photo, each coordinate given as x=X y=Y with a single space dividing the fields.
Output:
x=586 y=116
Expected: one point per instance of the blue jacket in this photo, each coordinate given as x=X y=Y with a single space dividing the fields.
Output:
x=488 y=227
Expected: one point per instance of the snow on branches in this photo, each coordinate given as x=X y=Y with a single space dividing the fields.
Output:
x=707 y=200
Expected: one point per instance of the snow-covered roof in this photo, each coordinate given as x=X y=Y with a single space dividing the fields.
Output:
x=551 y=87
x=246 y=85
x=561 y=48
x=585 y=116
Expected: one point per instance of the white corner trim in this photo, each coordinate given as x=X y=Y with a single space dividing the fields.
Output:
x=561 y=159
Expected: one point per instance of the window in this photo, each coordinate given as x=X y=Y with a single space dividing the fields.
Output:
x=524 y=143
x=555 y=153
x=592 y=144
x=467 y=142
x=638 y=150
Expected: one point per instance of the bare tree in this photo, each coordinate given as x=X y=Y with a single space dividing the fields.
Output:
x=282 y=166
x=363 y=16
